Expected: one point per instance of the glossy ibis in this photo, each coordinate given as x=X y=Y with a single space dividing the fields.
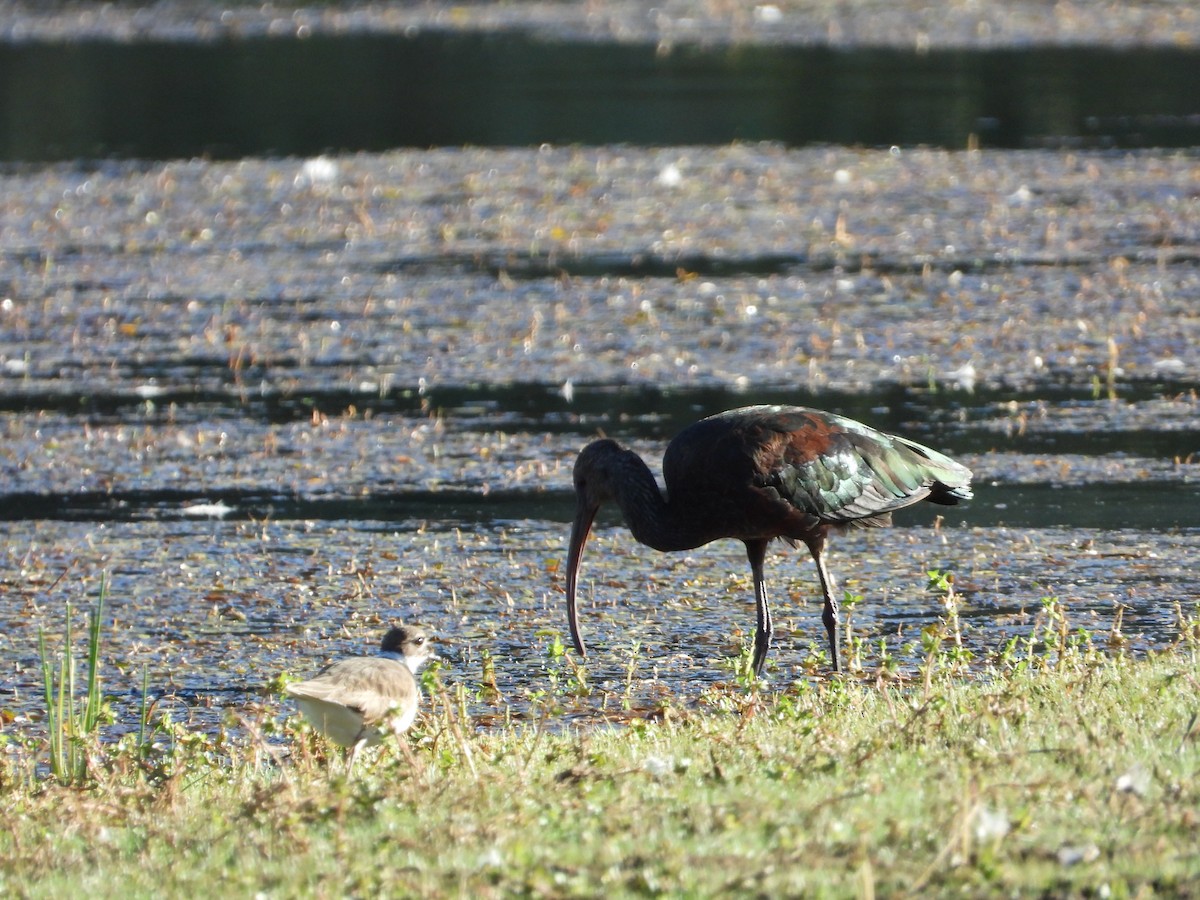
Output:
x=755 y=474
x=356 y=702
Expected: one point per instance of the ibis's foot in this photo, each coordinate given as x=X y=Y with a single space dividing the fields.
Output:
x=830 y=618
x=762 y=643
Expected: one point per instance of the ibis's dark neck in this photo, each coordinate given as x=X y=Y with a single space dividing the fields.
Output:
x=653 y=520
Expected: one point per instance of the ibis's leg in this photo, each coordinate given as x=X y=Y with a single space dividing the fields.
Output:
x=757 y=552
x=830 y=615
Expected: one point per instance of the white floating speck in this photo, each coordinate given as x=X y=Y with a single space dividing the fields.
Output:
x=842 y=176
x=318 y=170
x=670 y=176
x=768 y=13
x=149 y=391
x=1021 y=196
x=568 y=391
x=208 y=510
x=16 y=367
x=963 y=377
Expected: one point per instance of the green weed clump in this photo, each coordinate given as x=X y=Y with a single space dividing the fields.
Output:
x=72 y=723
x=1053 y=770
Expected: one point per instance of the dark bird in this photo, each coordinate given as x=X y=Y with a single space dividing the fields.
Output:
x=755 y=474
x=357 y=702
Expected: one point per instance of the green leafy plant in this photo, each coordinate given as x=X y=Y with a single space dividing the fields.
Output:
x=742 y=666
x=854 y=643
x=888 y=664
x=1188 y=625
x=958 y=654
x=631 y=670
x=72 y=723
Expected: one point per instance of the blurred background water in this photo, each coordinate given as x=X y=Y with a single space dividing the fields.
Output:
x=256 y=96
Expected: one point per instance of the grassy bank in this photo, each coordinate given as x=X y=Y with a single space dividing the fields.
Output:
x=1072 y=775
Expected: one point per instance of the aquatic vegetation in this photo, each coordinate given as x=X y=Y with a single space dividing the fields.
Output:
x=72 y=722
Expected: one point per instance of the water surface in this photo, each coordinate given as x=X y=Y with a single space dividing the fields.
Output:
x=250 y=95
x=279 y=403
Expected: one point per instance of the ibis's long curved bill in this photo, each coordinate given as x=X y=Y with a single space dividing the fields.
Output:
x=579 y=535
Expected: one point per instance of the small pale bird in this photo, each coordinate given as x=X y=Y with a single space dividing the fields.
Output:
x=356 y=702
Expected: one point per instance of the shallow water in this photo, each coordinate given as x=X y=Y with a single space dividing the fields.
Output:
x=210 y=610
x=279 y=413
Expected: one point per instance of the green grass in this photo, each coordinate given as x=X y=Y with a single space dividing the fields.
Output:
x=1060 y=771
x=72 y=723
